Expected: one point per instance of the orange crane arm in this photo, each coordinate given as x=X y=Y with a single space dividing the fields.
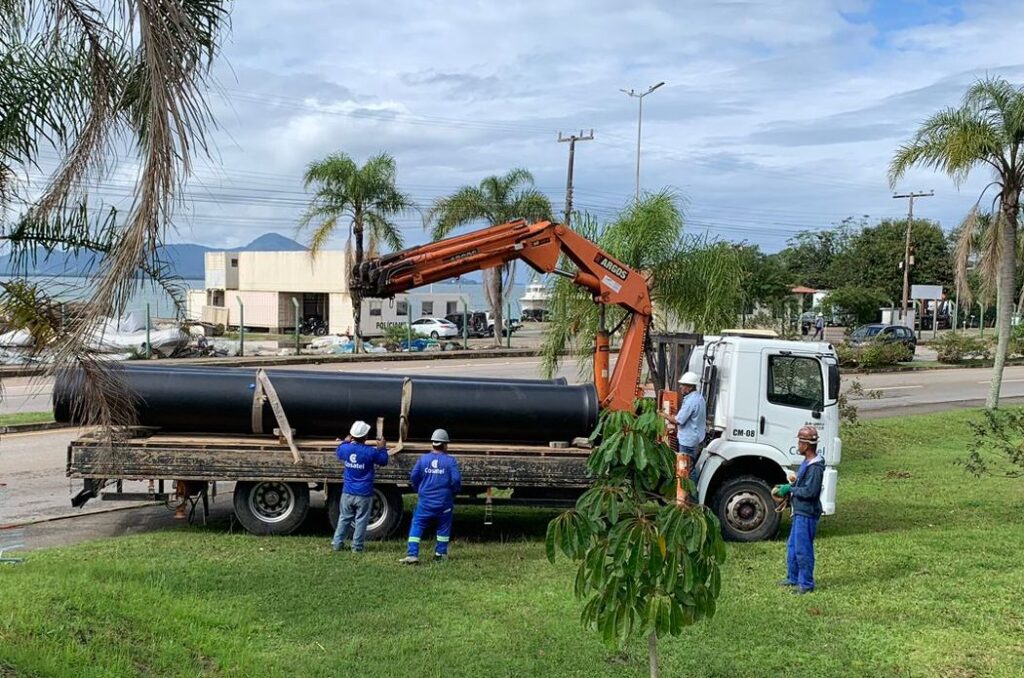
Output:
x=540 y=245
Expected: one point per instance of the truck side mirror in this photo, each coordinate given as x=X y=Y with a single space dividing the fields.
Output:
x=816 y=414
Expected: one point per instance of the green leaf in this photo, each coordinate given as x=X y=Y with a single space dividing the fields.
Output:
x=549 y=540
x=627 y=449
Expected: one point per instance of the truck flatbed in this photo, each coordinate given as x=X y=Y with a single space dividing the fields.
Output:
x=150 y=455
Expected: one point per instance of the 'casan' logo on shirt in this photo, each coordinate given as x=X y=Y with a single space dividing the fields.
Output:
x=609 y=265
x=352 y=457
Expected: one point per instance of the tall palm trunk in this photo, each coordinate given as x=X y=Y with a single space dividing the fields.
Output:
x=496 y=297
x=1005 y=296
x=357 y=300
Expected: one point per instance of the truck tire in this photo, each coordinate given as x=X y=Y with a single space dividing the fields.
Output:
x=385 y=516
x=745 y=507
x=271 y=506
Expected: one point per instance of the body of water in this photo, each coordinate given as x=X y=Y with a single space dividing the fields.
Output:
x=161 y=305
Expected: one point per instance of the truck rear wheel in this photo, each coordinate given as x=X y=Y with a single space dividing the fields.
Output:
x=385 y=515
x=271 y=506
x=746 y=510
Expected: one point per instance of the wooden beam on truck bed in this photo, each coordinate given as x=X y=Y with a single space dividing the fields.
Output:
x=223 y=461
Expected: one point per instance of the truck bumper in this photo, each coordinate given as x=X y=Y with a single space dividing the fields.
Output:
x=828 y=491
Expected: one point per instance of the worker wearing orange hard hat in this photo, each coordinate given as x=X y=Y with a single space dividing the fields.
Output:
x=804 y=493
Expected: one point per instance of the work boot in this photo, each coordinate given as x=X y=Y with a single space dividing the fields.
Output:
x=337 y=547
x=440 y=557
x=786 y=582
x=410 y=560
x=800 y=590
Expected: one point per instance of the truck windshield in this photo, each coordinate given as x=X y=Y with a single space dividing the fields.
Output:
x=795 y=381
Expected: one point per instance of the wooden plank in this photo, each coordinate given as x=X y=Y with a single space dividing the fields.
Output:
x=197 y=464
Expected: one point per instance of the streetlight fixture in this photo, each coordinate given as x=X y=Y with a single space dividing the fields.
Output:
x=639 y=122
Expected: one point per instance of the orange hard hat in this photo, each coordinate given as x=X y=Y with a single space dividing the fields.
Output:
x=808 y=434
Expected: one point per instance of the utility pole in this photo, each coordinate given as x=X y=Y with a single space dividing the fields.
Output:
x=639 y=122
x=572 y=139
x=906 y=248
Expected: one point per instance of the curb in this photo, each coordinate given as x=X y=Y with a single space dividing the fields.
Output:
x=84 y=514
x=27 y=428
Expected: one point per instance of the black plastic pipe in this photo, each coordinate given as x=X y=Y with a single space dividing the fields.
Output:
x=200 y=400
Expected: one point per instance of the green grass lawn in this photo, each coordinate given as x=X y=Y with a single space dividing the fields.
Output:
x=919 y=574
x=15 y=418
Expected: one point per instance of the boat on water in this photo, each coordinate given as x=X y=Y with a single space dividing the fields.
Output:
x=534 y=302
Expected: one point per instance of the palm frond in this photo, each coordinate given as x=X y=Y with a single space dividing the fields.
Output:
x=953 y=142
x=384 y=231
x=465 y=206
x=964 y=251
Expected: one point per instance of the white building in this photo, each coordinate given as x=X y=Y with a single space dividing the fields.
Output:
x=268 y=286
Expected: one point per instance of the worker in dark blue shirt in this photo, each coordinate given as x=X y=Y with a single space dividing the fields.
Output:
x=357 y=493
x=804 y=491
x=437 y=480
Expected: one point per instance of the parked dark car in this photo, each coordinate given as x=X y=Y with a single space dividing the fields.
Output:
x=893 y=334
x=477 y=321
x=944 y=321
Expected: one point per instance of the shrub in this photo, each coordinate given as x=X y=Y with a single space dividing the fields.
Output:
x=883 y=354
x=848 y=355
x=954 y=348
x=873 y=355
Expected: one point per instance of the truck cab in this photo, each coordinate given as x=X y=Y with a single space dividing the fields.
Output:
x=760 y=391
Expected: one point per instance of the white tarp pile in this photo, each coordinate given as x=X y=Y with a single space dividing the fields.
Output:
x=127 y=335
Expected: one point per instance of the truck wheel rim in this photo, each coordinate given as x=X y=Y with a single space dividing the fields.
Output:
x=745 y=511
x=378 y=511
x=272 y=502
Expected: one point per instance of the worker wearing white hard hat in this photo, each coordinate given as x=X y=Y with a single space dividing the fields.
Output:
x=360 y=462
x=691 y=420
x=436 y=479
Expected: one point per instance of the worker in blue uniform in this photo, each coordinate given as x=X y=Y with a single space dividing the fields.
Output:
x=804 y=491
x=360 y=462
x=691 y=421
x=437 y=480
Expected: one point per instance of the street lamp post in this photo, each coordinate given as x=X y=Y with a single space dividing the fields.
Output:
x=639 y=123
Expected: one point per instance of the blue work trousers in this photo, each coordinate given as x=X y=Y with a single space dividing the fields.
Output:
x=800 y=552
x=353 y=509
x=422 y=520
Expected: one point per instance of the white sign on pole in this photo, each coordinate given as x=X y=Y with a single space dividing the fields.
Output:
x=926 y=292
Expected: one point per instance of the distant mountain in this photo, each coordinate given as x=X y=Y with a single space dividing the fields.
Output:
x=187 y=260
x=272 y=242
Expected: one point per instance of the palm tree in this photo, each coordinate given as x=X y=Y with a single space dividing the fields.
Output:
x=96 y=83
x=365 y=196
x=693 y=281
x=986 y=130
x=497 y=200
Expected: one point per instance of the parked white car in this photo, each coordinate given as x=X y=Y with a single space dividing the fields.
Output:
x=435 y=328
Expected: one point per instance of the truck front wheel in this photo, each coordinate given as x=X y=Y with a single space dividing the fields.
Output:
x=746 y=510
x=385 y=515
x=271 y=506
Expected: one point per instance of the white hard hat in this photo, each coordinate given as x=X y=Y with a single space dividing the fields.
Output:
x=439 y=436
x=689 y=379
x=359 y=429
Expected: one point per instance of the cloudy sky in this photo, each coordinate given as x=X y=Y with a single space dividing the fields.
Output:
x=775 y=117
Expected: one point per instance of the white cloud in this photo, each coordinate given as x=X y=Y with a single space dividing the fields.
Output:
x=776 y=116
